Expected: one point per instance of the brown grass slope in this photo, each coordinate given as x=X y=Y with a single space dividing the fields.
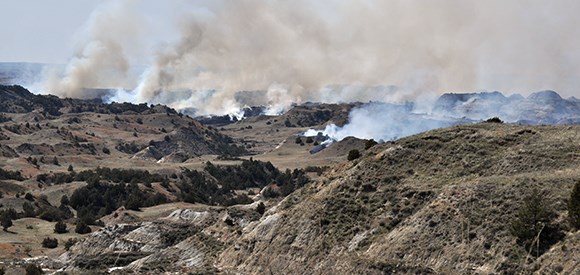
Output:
x=439 y=202
x=89 y=133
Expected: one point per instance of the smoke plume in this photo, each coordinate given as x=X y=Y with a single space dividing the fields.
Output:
x=382 y=122
x=332 y=51
x=99 y=60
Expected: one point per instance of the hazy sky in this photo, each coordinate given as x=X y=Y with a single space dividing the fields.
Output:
x=296 y=49
x=46 y=31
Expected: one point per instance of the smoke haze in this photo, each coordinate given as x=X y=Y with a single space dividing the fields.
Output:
x=99 y=60
x=382 y=122
x=329 y=51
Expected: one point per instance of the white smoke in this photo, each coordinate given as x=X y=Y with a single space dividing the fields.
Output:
x=331 y=51
x=382 y=122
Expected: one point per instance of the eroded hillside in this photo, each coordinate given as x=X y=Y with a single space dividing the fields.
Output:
x=441 y=202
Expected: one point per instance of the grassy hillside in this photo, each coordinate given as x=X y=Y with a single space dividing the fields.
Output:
x=442 y=202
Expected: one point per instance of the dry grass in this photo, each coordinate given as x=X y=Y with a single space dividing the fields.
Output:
x=24 y=238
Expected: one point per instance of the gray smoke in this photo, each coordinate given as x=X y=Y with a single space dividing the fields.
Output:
x=332 y=51
x=99 y=60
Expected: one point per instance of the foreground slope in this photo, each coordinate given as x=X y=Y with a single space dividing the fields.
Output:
x=440 y=202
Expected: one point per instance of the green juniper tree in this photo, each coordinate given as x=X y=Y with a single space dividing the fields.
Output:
x=533 y=226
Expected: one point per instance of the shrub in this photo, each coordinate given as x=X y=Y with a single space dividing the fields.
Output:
x=133 y=202
x=82 y=228
x=533 y=227
x=51 y=214
x=5 y=220
x=29 y=197
x=49 y=242
x=11 y=213
x=60 y=228
x=11 y=175
x=33 y=269
x=298 y=140
x=370 y=143
x=353 y=154
x=309 y=140
x=494 y=120
x=64 y=200
x=574 y=206
x=28 y=209
x=69 y=243
x=261 y=208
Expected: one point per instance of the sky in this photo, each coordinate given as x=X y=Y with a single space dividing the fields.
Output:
x=41 y=31
x=294 y=51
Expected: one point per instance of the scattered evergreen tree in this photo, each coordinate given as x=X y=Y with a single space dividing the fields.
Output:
x=33 y=269
x=29 y=197
x=5 y=220
x=49 y=242
x=69 y=243
x=298 y=140
x=370 y=143
x=34 y=162
x=60 y=228
x=353 y=154
x=261 y=208
x=28 y=209
x=51 y=214
x=70 y=168
x=533 y=227
x=82 y=228
x=165 y=183
x=133 y=202
x=10 y=175
x=64 y=200
x=494 y=120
